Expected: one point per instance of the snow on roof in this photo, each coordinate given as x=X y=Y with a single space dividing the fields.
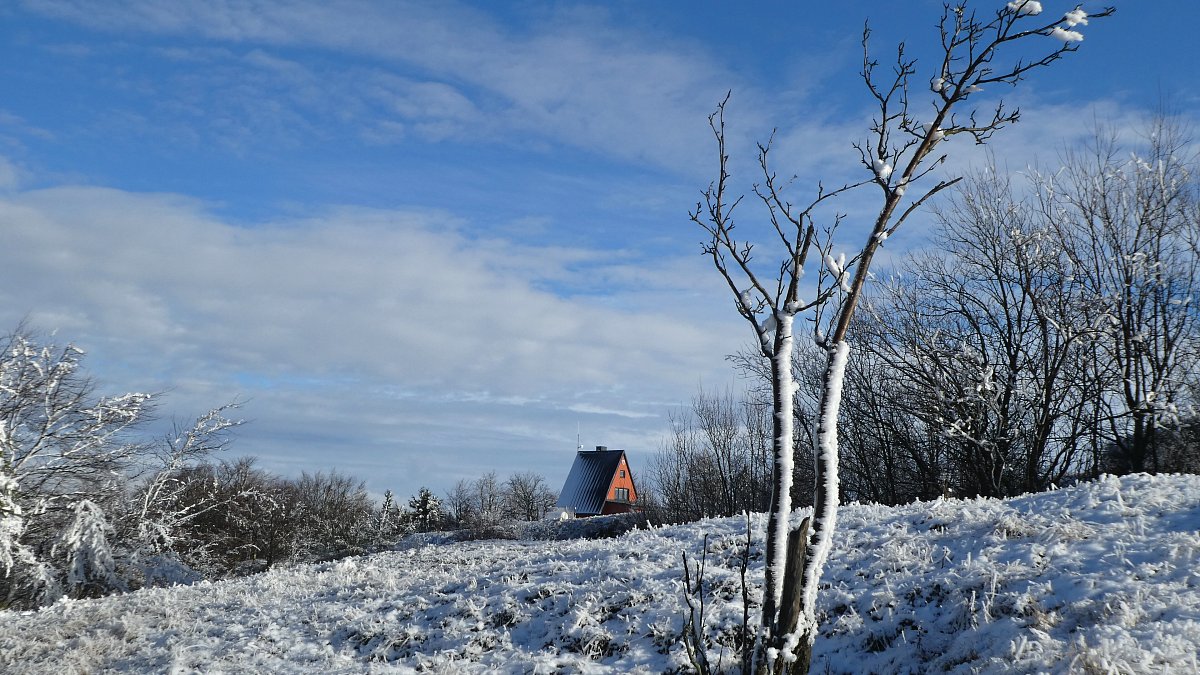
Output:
x=591 y=475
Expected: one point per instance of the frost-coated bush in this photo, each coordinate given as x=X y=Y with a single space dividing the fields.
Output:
x=86 y=553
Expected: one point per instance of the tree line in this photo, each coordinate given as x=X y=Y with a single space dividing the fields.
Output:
x=89 y=506
x=1047 y=334
x=487 y=501
x=478 y=505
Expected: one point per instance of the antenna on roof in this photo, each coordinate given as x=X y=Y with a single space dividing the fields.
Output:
x=578 y=442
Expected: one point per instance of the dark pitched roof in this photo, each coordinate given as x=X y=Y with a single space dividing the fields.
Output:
x=587 y=485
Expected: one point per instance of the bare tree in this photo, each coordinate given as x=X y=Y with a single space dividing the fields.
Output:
x=528 y=497
x=719 y=424
x=488 y=500
x=887 y=455
x=715 y=461
x=988 y=337
x=218 y=519
x=1130 y=226
x=671 y=470
x=460 y=503
x=900 y=153
x=478 y=503
x=333 y=514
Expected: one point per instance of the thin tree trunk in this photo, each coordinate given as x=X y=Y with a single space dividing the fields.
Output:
x=783 y=390
x=825 y=506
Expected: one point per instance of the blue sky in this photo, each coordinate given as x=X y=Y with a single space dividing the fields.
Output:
x=423 y=241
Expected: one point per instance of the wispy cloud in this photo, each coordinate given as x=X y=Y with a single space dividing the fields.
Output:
x=436 y=72
x=594 y=410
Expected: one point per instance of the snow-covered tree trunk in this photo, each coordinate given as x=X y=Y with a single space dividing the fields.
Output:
x=783 y=389
x=12 y=525
x=825 y=504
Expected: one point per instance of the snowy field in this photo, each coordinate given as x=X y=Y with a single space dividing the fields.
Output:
x=1099 y=578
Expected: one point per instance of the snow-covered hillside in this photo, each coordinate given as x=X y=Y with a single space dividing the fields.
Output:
x=1099 y=578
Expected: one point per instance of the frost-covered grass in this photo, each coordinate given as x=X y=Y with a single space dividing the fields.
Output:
x=1099 y=578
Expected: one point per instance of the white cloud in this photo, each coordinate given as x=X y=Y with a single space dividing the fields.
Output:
x=1030 y=7
x=336 y=290
x=11 y=175
x=595 y=410
x=1066 y=35
x=315 y=318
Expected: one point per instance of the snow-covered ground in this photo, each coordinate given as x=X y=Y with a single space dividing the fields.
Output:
x=1098 y=578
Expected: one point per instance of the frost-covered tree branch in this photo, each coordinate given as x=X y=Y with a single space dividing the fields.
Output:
x=60 y=437
x=159 y=508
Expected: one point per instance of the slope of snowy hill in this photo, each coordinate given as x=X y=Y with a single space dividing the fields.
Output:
x=1099 y=578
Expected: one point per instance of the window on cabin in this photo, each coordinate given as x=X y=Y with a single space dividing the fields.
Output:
x=621 y=494
x=622 y=473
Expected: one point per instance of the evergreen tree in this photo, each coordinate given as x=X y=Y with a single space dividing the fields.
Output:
x=425 y=509
x=386 y=524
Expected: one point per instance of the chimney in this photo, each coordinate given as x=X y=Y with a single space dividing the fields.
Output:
x=601 y=448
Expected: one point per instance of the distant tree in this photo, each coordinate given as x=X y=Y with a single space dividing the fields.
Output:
x=387 y=524
x=716 y=461
x=528 y=496
x=488 y=500
x=425 y=511
x=672 y=470
x=987 y=346
x=1179 y=446
x=460 y=503
x=222 y=517
x=260 y=517
x=333 y=514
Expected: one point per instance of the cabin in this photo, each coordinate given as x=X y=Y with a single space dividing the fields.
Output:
x=600 y=483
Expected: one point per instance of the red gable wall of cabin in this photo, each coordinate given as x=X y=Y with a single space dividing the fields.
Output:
x=626 y=482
